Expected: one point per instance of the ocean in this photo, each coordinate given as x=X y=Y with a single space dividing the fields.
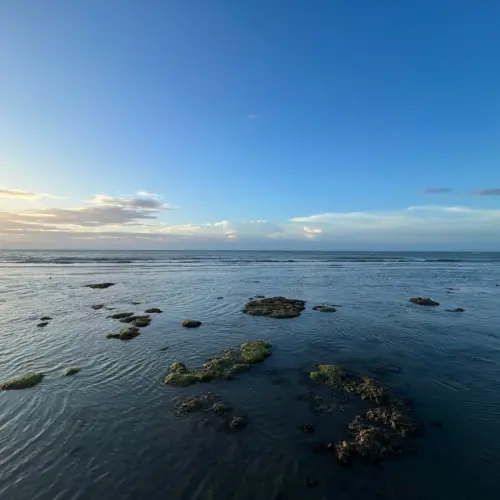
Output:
x=110 y=432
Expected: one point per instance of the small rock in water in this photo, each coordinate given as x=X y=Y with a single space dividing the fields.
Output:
x=457 y=310
x=135 y=303
x=121 y=315
x=45 y=318
x=141 y=322
x=125 y=334
x=23 y=382
x=41 y=325
x=260 y=297
x=220 y=298
x=153 y=310
x=191 y=323
x=275 y=307
x=99 y=285
x=164 y=348
x=96 y=307
x=72 y=371
x=237 y=423
x=423 y=301
x=324 y=309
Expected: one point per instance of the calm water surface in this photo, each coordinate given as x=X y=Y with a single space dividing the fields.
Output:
x=109 y=431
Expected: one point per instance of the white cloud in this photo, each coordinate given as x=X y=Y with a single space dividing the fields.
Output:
x=24 y=195
x=149 y=203
x=147 y=194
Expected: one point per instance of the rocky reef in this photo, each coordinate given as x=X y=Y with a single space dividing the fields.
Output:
x=221 y=367
x=23 y=382
x=275 y=307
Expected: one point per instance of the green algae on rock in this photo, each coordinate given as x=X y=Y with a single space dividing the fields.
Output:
x=126 y=334
x=130 y=319
x=423 y=301
x=191 y=323
x=99 y=285
x=328 y=309
x=275 y=307
x=71 y=371
x=141 y=322
x=23 y=382
x=221 y=367
x=121 y=315
x=153 y=310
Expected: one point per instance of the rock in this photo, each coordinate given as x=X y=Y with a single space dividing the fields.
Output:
x=141 y=322
x=191 y=323
x=423 y=301
x=153 y=310
x=259 y=297
x=452 y=289
x=324 y=309
x=23 y=382
x=220 y=298
x=132 y=318
x=135 y=303
x=237 y=423
x=45 y=318
x=125 y=334
x=72 y=371
x=41 y=325
x=99 y=285
x=164 y=348
x=275 y=307
x=221 y=367
x=121 y=315
x=308 y=428
x=220 y=408
x=96 y=307
x=457 y=310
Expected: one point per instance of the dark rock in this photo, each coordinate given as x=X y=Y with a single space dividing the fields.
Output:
x=237 y=423
x=308 y=428
x=125 y=334
x=457 y=310
x=96 y=307
x=153 y=310
x=132 y=318
x=220 y=298
x=71 y=371
x=100 y=285
x=423 y=301
x=219 y=407
x=164 y=348
x=452 y=289
x=324 y=309
x=23 y=382
x=259 y=297
x=121 y=315
x=275 y=307
x=141 y=322
x=135 y=303
x=191 y=323
x=45 y=318
x=41 y=325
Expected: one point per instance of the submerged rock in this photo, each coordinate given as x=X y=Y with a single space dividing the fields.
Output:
x=221 y=367
x=41 y=325
x=141 y=322
x=220 y=298
x=132 y=318
x=259 y=297
x=72 y=371
x=96 y=307
x=23 y=382
x=191 y=323
x=135 y=303
x=99 y=285
x=153 y=310
x=457 y=310
x=237 y=423
x=121 y=315
x=126 y=334
x=275 y=307
x=45 y=318
x=423 y=301
x=326 y=309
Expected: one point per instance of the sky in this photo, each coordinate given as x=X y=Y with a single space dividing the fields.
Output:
x=263 y=124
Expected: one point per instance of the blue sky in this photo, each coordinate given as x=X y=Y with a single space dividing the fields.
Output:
x=262 y=124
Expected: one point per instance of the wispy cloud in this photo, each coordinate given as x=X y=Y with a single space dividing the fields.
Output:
x=147 y=194
x=435 y=190
x=148 y=203
x=487 y=192
x=24 y=195
x=253 y=116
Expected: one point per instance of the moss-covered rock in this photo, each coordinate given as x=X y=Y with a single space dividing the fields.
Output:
x=423 y=301
x=153 y=310
x=96 y=307
x=71 y=371
x=131 y=319
x=23 y=382
x=325 y=309
x=121 y=315
x=237 y=423
x=222 y=367
x=126 y=334
x=275 y=307
x=99 y=285
x=191 y=323
x=141 y=322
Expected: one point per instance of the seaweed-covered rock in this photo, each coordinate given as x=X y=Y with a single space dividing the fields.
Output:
x=99 y=285
x=141 y=322
x=237 y=423
x=423 y=301
x=221 y=367
x=132 y=318
x=121 y=315
x=191 y=323
x=153 y=310
x=23 y=382
x=325 y=309
x=96 y=307
x=275 y=307
x=43 y=324
x=45 y=318
x=457 y=310
x=71 y=371
x=126 y=334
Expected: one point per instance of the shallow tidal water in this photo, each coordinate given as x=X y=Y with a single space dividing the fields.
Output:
x=109 y=431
